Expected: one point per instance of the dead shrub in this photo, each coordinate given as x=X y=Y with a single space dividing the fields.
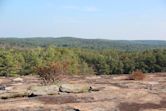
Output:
x=137 y=75
x=53 y=72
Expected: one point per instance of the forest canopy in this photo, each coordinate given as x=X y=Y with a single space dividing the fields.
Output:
x=17 y=61
x=70 y=42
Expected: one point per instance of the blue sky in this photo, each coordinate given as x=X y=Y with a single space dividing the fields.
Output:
x=105 y=19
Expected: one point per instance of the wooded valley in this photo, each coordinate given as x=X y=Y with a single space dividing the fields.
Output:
x=24 y=56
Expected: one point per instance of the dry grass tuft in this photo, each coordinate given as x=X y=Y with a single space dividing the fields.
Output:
x=53 y=72
x=137 y=75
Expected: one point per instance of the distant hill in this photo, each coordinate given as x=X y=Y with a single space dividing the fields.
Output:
x=71 y=42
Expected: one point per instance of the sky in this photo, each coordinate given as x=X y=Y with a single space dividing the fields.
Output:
x=104 y=19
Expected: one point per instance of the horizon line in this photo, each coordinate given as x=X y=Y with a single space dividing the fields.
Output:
x=81 y=38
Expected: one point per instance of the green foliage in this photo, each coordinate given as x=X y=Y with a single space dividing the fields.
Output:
x=15 y=61
x=70 y=42
x=9 y=63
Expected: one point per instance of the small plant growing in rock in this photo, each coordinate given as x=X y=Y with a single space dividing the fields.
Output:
x=137 y=75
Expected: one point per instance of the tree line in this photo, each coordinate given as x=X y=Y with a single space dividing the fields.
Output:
x=70 y=42
x=15 y=61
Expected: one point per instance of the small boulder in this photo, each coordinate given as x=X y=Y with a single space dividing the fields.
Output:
x=8 y=88
x=93 y=77
x=74 y=88
x=18 y=79
x=43 y=90
x=95 y=88
x=120 y=77
x=2 y=87
x=9 y=95
x=73 y=109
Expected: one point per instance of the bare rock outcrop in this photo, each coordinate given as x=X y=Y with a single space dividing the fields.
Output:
x=74 y=88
